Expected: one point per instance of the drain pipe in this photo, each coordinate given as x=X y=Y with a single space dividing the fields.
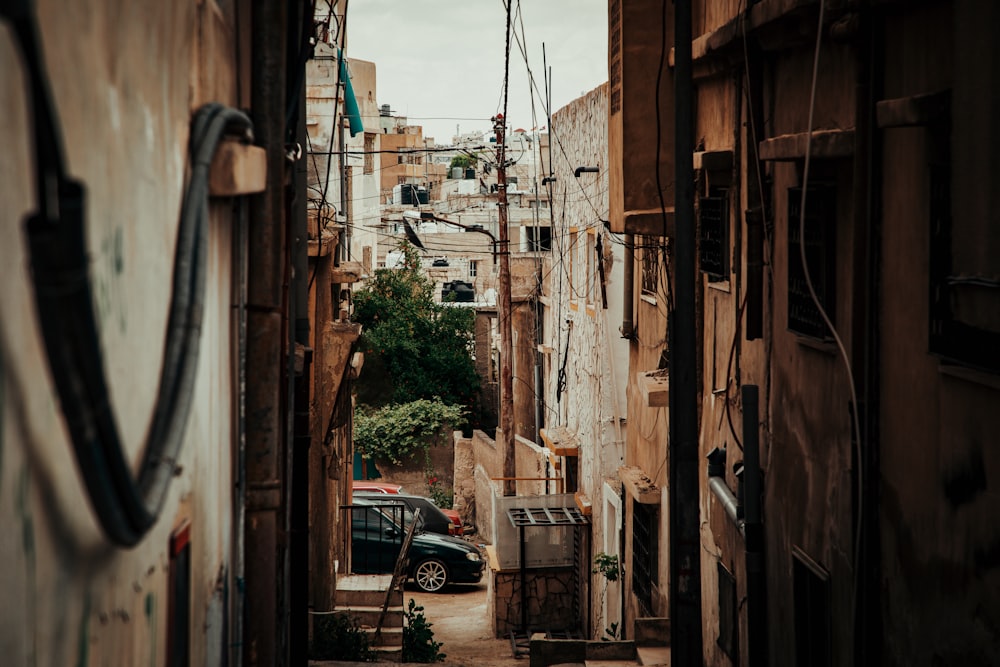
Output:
x=754 y=532
x=721 y=490
x=265 y=444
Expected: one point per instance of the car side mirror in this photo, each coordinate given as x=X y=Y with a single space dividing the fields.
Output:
x=391 y=531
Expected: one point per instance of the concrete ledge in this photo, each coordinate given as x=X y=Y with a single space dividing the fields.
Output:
x=547 y=652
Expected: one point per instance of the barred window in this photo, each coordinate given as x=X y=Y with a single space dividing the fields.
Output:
x=369 y=152
x=650 y=266
x=645 y=554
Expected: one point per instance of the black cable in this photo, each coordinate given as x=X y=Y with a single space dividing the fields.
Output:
x=126 y=508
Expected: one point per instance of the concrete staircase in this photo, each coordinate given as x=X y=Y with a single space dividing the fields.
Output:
x=362 y=596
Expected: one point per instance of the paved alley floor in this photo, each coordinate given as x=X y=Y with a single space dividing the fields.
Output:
x=461 y=625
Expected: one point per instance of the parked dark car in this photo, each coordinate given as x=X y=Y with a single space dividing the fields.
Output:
x=434 y=560
x=374 y=486
x=432 y=519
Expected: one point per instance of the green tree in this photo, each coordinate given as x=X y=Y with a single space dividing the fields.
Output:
x=414 y=348
x=463 y=161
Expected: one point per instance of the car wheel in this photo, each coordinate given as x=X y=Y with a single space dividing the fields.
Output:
x=430 y=575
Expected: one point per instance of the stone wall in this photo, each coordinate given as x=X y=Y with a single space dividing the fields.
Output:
x=548 y=593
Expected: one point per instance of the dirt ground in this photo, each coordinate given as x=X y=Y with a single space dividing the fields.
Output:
x=461 y=625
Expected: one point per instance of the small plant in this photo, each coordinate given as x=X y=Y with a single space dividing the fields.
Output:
x=418 y=638
x=607 y=565
x=339 y=637
x=442 y=497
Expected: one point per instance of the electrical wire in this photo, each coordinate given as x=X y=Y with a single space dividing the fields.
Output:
x=855 y=420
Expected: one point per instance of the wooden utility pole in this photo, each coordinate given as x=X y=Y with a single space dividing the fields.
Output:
x=685 y=524
x=504 y=317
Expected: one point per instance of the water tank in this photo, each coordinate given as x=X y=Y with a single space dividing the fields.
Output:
x=456 y=172
x=459 y=291
x=470 y=173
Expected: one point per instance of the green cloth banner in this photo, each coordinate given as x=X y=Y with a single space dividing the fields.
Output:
x=351 y=109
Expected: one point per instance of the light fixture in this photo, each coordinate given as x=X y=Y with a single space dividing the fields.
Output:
x=586 y=170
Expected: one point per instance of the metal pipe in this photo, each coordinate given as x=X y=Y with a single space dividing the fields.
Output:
x=264 y=427
x=628 y=328
x=239 y=488
x=754 y=531
x=721 y=490
x=297 y=563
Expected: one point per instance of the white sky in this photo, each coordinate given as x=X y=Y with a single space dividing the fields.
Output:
x=438 y=60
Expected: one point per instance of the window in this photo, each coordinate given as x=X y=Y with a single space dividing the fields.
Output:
x=650 y=266
x=964 y=290
x=179 y=597
x=539 y=238
x=713 y=214
x=369 y=153
x=591 y=264
x=811 y=592
x=571 y=252
x=645 y=548
x=728 y=614
x=473 y=268
x=820 y=250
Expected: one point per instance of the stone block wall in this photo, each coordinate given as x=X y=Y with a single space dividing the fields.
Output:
x=548 y=593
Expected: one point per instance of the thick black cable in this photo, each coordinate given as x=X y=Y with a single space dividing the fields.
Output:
x=126 y=509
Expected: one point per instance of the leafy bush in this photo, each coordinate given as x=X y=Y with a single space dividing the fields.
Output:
x=396 y=433
x=339 y=637
x=418 y=638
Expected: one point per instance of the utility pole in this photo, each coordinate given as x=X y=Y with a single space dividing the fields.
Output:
x=504 y=317
x=685 y=527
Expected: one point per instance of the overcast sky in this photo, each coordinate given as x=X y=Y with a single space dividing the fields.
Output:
x=441 y=62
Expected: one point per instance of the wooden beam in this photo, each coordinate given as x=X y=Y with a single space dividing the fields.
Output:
x=650 y=222
x=639 y=485
x=237 y=169
x=825 y=144
x=915 y=110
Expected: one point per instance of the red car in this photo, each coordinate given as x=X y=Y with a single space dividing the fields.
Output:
x=373 y=486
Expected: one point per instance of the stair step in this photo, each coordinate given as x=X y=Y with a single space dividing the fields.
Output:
x=389 y=654
x=654 y=655
x=368 y=616
x=388 y=638
x=366 y=590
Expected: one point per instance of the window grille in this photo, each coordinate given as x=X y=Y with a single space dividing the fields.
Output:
x=820 y=249
x=369 y=153
x=645 y=547
x=713 y=213
x=650 y=267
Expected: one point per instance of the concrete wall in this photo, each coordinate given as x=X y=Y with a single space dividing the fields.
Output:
x=579 y=330
x=125 y=81
x=932 y=597
x=939 y=463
